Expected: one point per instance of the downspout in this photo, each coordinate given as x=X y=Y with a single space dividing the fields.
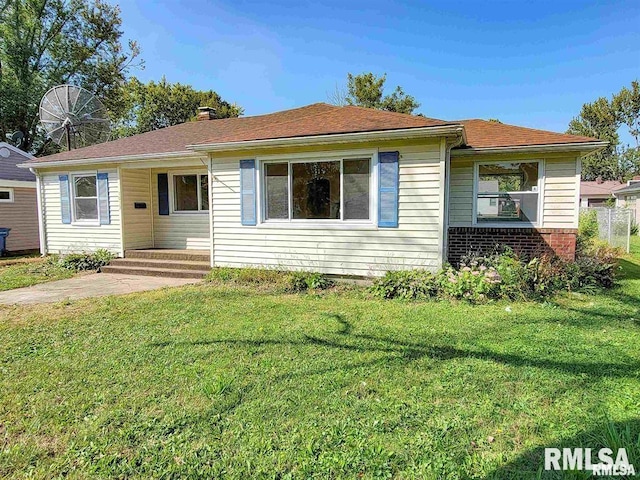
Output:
x=447 y=168
x=42 y=237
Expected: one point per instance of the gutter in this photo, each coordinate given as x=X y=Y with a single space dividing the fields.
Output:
x=586 y=147
x=119 y=159
x=400 y=134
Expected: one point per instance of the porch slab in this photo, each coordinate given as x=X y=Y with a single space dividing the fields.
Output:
x=88 y=286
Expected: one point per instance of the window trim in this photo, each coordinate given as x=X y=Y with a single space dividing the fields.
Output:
x=72 y=187
x=497 y=224
x=290 y=159
x=11 y=198
x=173 y=197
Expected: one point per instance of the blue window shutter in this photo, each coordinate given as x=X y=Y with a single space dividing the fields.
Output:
x=163 y=194
x=248 y=192
x=103 y=198
x=65 y=198
x=388 y=185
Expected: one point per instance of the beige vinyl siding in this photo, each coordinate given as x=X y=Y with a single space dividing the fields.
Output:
x=64 y=238
x=179 y=230
x=461 y=192
x=561 y=186
x=351 y=249
x=21 y=216
x=137 y=223
x=559 y=189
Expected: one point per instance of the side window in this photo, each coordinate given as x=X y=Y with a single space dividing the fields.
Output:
x=507 y=192
x=85 y=198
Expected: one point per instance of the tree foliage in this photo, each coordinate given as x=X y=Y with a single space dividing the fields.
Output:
x=604 y=119
x=367 y=90
x=154 y=105
x=49 y=42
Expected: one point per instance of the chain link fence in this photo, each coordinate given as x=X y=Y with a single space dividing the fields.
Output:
x=614 y=225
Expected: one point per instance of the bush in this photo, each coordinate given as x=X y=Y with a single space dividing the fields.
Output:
x=634 y=228
x=505 y=276
x=406 y=284
x=593 y=268
x=588 y=229
x=302 y=281
x=79 y=262
x=474 y=283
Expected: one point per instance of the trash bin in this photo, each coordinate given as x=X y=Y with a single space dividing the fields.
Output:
x=4 y=233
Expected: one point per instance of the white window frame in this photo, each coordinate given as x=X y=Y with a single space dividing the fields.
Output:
x=370 y=155
x=11 y=198
x=498 y=224
x=173 y=196
x=76 y=220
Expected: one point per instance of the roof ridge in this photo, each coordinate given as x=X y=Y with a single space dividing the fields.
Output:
x=389 y=112
x=509 y=125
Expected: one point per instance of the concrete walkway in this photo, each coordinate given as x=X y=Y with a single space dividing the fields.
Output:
x=85 y=286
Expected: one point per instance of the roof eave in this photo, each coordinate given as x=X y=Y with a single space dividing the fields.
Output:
x=583 y=147
x=119 y=159
x=354 y=137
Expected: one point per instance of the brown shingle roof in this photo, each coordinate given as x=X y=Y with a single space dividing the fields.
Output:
x=315 y=119
x=600 y=188
x=485 y=134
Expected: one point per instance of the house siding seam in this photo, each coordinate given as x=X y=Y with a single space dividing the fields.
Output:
x=527 y=242
x=357 y=251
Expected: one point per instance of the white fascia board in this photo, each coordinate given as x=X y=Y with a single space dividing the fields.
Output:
x=400 y=134
x=120 y=159
x=17 y=183
x=584 y=148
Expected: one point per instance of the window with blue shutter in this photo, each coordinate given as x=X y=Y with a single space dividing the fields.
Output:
x=248 y=192
x=388 y=180
x=65 y=198
x=103 y=198
x=163 y=194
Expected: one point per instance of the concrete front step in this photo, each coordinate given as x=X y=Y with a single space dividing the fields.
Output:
x=162 y=264
x=155 y=272
x=166 y=254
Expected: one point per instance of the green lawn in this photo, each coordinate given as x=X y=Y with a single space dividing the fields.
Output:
x=27 y=271
x=217 y=381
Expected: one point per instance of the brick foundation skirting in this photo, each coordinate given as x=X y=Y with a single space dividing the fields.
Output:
x=527 y=242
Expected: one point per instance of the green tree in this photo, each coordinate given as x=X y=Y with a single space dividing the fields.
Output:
x=604 y=119
x=154 y=105
x=49 y=42
x=367 y=90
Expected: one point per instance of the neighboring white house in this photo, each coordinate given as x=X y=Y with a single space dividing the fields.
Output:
x=628 y=196
x=18 y=202
x=341 y=190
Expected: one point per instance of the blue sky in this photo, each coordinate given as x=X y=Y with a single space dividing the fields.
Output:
x=531 y=63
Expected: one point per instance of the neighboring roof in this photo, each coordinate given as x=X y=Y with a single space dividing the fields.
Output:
x=313 y=120
x=599 y=188
x=11 y=156
x=633 y=188
x=486 y=134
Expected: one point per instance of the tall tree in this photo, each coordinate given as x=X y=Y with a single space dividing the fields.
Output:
x=154 y=105
x=48 y=42
x=367 y=90
x=604 y=119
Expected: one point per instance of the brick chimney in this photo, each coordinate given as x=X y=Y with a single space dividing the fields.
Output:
x=206 y=113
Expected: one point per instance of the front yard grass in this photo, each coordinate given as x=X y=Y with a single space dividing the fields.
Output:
x=223 y=381
x=28 y=271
